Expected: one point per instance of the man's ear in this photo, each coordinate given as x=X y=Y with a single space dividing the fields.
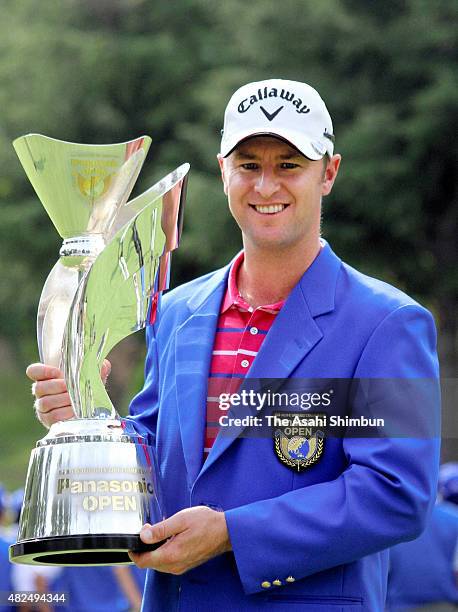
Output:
x=220 y=159
x=330 y=174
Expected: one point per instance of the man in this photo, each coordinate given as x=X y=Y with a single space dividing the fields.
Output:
x=423 y=573
x=250 y=527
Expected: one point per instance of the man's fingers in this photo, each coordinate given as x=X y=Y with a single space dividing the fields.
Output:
x=53 y=416
x=140 y=559
x=40 y=371
x=150 y=534
x=54 y=386
x=49 y=380
x=51 y=402
x=190 y=537
x=166 y=558
x=144 y=560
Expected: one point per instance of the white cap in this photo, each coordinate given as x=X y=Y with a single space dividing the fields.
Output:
x=289 y=110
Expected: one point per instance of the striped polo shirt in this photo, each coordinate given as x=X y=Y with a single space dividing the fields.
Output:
x=240 y=333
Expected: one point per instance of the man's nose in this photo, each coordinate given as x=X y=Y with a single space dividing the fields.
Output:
x=267 y=183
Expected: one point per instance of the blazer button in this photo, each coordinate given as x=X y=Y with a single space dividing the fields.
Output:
x=277 y=582
x=266 y=584
x=291 y=579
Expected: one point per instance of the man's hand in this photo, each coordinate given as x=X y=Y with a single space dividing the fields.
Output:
x=196 y=535
x=52 y=401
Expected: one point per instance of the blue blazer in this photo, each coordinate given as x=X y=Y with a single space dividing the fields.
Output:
x=320 y=534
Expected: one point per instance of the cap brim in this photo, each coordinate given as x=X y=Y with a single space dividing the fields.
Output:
x=302 y=144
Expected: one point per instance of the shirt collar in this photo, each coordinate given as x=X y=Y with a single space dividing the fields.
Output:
x=233 y=297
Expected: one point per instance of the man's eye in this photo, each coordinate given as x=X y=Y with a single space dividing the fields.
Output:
x=289 y=166
x=250 y=166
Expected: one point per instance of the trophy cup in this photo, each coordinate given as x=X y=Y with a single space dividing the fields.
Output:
x=92 y=481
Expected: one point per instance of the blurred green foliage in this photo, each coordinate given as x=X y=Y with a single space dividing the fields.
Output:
x=110 y=70
x=17 y=424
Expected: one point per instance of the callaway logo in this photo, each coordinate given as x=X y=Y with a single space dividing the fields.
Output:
x=262 y=94
x=271 y=116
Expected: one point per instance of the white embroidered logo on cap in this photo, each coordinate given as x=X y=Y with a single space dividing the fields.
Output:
x=289 y=110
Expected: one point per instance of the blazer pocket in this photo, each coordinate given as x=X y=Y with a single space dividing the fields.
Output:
x=325 y=601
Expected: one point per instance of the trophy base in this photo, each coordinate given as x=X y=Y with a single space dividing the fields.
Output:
x=79 y=550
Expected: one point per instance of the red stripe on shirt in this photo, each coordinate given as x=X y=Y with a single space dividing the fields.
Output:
x=240 y=333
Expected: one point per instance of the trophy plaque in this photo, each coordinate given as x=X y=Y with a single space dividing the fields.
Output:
x=92 y=480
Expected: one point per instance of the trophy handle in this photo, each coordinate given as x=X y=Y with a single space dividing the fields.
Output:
x=118 y=293
x=158 y=190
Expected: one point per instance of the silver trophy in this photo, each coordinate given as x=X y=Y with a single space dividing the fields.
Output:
x=92 y=481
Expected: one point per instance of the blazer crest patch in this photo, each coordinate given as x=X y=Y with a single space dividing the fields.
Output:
x=298 y=447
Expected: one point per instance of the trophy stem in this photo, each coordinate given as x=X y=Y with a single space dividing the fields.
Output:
x=86 y=246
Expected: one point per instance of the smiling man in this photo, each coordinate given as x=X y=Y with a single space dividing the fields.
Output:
x=274 y=194
x=255 y=523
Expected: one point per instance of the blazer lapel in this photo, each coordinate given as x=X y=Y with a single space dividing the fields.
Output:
x=293 y=334
x=194 y=344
